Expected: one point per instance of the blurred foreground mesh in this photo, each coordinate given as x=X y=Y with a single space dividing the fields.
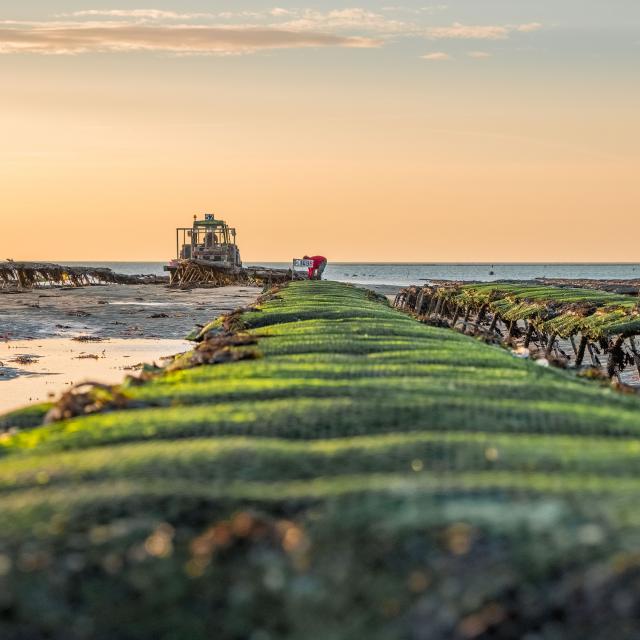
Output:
x=362 y=476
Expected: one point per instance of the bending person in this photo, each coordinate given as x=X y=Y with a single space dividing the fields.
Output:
x=319 y=264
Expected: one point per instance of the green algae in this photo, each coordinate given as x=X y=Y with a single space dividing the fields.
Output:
x=556 y=310
x=367 y=477
x=31 y=416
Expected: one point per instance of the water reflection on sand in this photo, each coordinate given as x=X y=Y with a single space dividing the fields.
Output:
x=59 y=363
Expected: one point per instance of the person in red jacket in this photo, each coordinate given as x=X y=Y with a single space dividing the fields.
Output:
x=319 y=263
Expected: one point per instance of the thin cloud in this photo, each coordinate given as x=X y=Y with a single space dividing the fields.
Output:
x=150 y=14
x=350 y=18
x=179 y=39
x=230 y=32
x=528 y=28
x=437 y=56
x=479 y=55
x=428 y=10
x=458 y=31
x=279 y=11
x=159 y=14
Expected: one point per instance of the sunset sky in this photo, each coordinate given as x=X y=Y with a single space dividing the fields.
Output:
x=472 y=130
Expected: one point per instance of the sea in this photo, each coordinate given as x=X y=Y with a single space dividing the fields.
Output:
x=404 y=274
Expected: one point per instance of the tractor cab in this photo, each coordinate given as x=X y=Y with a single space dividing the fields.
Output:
x=208 y=240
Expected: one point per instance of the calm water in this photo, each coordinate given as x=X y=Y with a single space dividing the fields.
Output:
x=405 y=274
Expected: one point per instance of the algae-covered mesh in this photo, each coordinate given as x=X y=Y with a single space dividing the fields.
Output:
x=357 y=475
x=566 y=325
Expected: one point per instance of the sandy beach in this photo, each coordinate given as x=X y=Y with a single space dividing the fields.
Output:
x=55 y=338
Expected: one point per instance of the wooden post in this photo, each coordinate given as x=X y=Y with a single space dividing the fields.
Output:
x=428 y=304
x=22 y=279
x=634 y=350
x=456 y=317
x=550 y=344
x=595 y=361
x=438 y=308
x=426 y=299
x=527 y=338
x=573 y=345
x=466 y=319
x=611 y=364
x=432 y=304
x=611 y=361
x=480 y=317
x=581 y=350
x=494 y=322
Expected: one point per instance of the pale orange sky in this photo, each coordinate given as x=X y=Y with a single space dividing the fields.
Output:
x=516 y=147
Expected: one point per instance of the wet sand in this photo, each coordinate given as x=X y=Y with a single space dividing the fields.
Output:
x=130 y=324
x=115 y=311
x=36 y=370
